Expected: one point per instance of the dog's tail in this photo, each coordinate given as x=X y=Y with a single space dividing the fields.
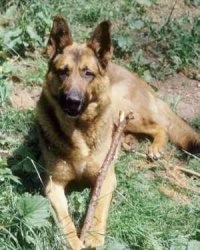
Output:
x=180 y=133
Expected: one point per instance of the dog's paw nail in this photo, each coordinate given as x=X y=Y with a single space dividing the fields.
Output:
x=154 y=153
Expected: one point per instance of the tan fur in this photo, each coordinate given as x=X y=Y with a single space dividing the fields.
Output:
x=74 y=147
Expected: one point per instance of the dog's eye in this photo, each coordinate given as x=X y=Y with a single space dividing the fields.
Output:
x=88 y=73
x=63 y=73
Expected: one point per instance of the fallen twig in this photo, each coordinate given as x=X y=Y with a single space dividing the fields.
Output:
x=164 y=162
x=170 y=171
x=193 y=156
x=188 y=171
x=97 y=188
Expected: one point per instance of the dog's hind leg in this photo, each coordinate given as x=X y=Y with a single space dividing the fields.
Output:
x=95 y=237
x=56 y=194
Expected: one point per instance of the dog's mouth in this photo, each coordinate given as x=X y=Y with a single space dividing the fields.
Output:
x=72 y=112
x=72 y=104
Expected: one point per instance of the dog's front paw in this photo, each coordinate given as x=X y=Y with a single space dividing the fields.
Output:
x=94 y=240
x=155 y=152
x=73 y=244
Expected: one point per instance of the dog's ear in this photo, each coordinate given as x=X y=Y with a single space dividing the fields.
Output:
x=60 y=36
x=101 y=43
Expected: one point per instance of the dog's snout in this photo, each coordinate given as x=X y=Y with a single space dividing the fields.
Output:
x=72 y=102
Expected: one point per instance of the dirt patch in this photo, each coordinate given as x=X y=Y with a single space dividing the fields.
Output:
x=182 y=93
x=174 y=195
x=160 y=11
x=24 y=97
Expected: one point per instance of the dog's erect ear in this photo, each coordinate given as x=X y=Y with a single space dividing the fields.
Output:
x=59 y=38
x=101 y=43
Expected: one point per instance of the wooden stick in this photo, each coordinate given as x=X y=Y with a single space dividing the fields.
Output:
x=107 y=162
x=188 y=171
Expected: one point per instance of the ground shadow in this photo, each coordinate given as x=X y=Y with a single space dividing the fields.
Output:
x=26 y=164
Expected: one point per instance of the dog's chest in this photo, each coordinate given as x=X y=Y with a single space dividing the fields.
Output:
x=79 y=153
x=89 y=149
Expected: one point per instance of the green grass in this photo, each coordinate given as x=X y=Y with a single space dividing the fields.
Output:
x=142 y=217
x=24 y=218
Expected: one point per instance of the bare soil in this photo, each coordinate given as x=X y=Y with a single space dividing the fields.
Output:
x=160 y=11
x=24 y=97
x=183 y=91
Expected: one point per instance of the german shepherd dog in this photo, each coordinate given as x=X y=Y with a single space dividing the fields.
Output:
x=77 y=113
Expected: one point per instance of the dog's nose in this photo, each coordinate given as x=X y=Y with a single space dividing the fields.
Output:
x=72 y=102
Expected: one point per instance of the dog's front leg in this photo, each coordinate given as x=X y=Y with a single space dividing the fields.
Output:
x=56 y=193
x=95 y=237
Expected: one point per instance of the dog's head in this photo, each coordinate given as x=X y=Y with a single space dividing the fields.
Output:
x=77 y=72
